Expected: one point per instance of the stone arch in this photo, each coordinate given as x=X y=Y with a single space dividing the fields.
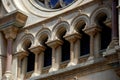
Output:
x=24 y=41
x=99 y=17
x=80 y=23
x=80 y=20
x=43 y=34
x=60 y=28
x=103 y=10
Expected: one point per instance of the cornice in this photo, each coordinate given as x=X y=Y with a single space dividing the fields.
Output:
x=60 y=15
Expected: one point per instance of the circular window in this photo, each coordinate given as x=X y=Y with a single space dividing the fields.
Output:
x=54 y=4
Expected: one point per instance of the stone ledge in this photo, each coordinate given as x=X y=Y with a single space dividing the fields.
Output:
x=16 y=18
x=67 y=69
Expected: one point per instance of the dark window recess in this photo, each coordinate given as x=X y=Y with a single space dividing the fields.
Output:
x=65 y=50
x=84 y=43
x=31 y=61
x=105 y=36
x=47 y=56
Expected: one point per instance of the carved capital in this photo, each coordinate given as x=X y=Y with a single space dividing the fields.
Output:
x=55 y=43
x=10 y=32
x=72 y=37
x=10 y=23
x=22 y=54
x=92 y=30
x=37 y=50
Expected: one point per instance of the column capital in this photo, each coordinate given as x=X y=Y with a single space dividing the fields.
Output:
x=55 y=43
x=92 y=30
x=11 y=23
x=72 y=37
x=10 y=32
x=37 y=49
x=22 y=54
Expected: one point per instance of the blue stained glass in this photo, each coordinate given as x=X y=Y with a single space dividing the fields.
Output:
x=53 y=2
x=68 y=1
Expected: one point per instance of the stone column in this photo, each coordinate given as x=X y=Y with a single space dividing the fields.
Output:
x=9 y=26
x=21 y=56
x=73 y=39
x=115 y=30
x=114 y=20
x=24 y=68
x=119 y=20
x=56 y=54
x=37 y=51
x=92 y=32
x=10 y=35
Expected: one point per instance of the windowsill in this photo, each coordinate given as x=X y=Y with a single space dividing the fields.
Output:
x=60 y=71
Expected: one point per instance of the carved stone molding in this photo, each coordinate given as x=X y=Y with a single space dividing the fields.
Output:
x=22 y=54
x=15 y=18
x=54 y=43
x=72 y=37
x=92 y=30
x=37 y=49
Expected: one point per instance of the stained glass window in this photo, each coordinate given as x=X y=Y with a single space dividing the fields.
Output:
x=55 y=4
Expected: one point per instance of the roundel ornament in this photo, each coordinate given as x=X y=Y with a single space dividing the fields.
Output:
x=54 y=4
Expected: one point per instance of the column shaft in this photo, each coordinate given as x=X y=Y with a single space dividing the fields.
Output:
x=72 y=52
x=36 y=63
x=114 y=19
x=19 y=67
x=53 y=57
x=9 y=55
x=41 y=62
x=77 y=50
x=92 y=46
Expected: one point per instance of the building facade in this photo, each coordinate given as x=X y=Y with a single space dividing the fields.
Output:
x=59 y=40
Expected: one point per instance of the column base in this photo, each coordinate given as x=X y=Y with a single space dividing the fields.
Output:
x=35 y=74
x=53 y=69
x=93 y=59
x=7 y=76
x=19 y=79
x=113 y=43
x=71 y=64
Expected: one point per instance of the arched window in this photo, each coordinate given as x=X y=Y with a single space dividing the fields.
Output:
x=30 y=57
x=30 y=61
x=47 y=56
x=84 y=40
x=65 y=46
x=84 y=43
x=106 y=30
x=47 y=52
x=65 y=50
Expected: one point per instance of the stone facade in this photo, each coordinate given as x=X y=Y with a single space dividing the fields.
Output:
x=29 y=32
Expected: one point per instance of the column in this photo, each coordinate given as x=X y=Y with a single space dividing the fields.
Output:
x=92 y=32
x=73 y=38
x=77 y=50
x=37 y=51
x=119 y=20
x=10 y=35
x=21 y=56
x=56 y=54
x=24 y=68
x=114 y=20
x=16 y=20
